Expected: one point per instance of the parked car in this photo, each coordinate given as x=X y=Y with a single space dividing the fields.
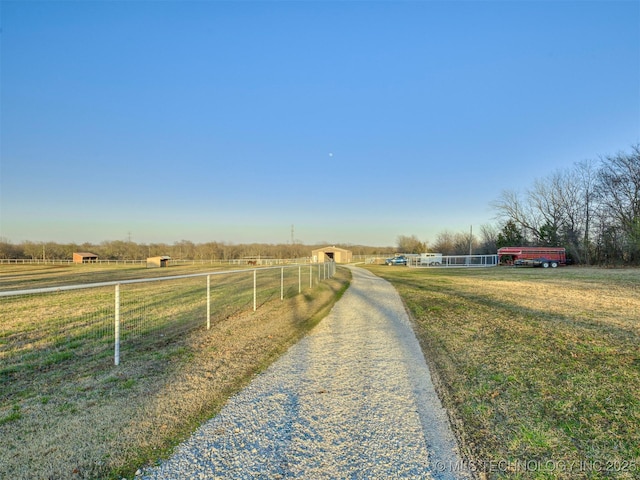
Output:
x=397 y=260
x=536 y=262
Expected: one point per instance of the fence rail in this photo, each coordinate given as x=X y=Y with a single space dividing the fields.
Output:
x=457 y=261
x=43 y=326
x=212 y=261
x=445 y=261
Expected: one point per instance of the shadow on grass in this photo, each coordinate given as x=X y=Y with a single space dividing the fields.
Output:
x=525 y=384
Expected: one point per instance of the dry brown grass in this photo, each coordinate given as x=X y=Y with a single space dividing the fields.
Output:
x=19 y=276
x=539 y=368
x=90 y=419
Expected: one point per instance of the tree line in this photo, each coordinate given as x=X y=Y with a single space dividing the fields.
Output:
x=184 y=250
x=592 y=209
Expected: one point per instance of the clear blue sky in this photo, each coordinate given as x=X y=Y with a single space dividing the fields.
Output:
x=354 y=121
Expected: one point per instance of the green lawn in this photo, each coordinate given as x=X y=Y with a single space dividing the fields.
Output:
x=540 y=369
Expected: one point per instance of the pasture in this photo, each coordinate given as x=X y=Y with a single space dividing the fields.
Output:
x=28 y=276
x=540 y=369
x=66 y=411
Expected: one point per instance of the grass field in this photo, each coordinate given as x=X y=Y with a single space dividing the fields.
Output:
x=27 y=276
x=66 y=412
x=540 y=369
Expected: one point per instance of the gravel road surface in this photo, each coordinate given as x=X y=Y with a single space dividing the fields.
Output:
x=353 y=399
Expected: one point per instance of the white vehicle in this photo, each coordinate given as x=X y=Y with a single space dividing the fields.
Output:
x=431 y=259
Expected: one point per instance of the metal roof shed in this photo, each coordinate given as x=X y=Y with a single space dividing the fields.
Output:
x=338 y=255
x=84 y=257
x=154 y=262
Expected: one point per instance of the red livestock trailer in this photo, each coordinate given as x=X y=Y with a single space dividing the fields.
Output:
x=532 y=256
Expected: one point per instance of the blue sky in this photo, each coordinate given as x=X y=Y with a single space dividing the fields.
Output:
x=353 y=121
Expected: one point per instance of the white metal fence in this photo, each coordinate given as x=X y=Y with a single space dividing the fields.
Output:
x=41 y=327
x=456 y=261
x=446 y=261
x=256 y=260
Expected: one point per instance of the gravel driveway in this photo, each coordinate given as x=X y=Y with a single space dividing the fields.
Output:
x=353 y=399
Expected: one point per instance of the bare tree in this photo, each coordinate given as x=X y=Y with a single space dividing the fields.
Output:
x=553 y=211
x=619 y=194
x=587 y=209
x=578 y=197
x=444 y=243
x=9 y=250
x=463 y=243
x=620 y=187
x=488 y=239
x=410 y=244
x=512 y=208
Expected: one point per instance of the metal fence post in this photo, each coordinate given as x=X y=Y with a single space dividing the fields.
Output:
x=208 y=302
x=299 y=278
x=116 y=358
x=310 y=276
x=255 y=289
x=282 y=283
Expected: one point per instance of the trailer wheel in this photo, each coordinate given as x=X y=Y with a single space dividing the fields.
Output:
x=545 y=264
x=554 y=264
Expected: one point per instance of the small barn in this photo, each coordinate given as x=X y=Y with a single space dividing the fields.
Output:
x=338 y=255
x=84 y=257
x=154 y=262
